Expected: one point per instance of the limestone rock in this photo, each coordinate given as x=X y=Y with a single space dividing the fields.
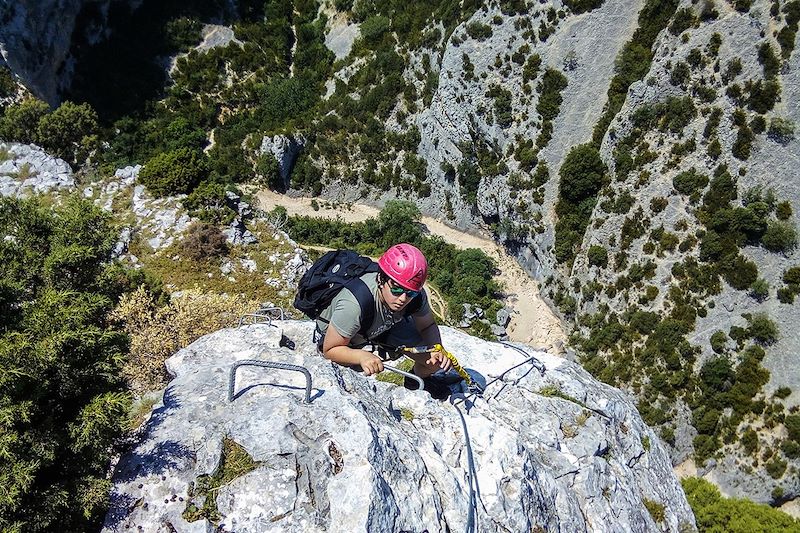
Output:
x=285 y=150
x=558 y=451
x=29 y=170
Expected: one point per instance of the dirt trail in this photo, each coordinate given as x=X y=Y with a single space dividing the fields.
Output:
x=532 y=321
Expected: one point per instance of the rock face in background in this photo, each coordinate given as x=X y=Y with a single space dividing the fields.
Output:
x=35 y=38
x=558 y=451
x=454 y=115
x=285 y=150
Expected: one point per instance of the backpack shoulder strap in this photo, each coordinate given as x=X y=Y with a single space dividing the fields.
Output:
x=366 y=301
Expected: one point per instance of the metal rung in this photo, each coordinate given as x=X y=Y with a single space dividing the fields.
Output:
x=264 y=315
x=281 y=312
x=406 y=374
x=258 y=318
x=268 y=364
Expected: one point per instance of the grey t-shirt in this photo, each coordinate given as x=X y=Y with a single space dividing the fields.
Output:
x=345 y=313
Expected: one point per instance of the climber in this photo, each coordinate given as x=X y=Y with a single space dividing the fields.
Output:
x=402 y=317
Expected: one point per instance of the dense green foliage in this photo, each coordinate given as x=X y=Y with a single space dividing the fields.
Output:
x=462 y=276
x=68 y=132
x=174 y=172
x=583 y=174
x=61 y=395
x=713 y=512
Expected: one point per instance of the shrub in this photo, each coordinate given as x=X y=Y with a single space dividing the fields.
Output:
x=718 y=341
x=156 y=331
x=174 y=172
x=582 y=6
x=689 y=182
x=762 y=329
x=682 y=21
x=763 y=95
x=479 y=31
x=21 y=121
x=776 y=468
x=203 y=242
x=65 y=131
x=780 y=237
x=64 y=401
x=792 y=424
x=582 y=176
x=739 y=271
x=759 y=290
x=781 y=130
x=598 y=256
x=373 y=29
x=769 y=61
x=209 y=202
x=743 y=143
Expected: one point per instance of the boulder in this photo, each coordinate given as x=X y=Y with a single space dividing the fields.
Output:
x=552 y=451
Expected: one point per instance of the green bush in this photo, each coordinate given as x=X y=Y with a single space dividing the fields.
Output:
x=780 y=130
x=763 y=95
x=582 y=6
x=583 y=174
x=762 y=329
x=780 y=237
x=683 y=20
x=373 y=29
x=479 y=31
x=792 y=424
x=502 y=105
x=689 y=182
x=209 y=203
x=759 y=290
x=20 y=122
x=597 y=256
x=718 y=341
x=175 y=172
x=65 y=131
x=769 y=61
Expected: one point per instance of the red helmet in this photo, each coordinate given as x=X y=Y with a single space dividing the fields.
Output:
x=406 y=265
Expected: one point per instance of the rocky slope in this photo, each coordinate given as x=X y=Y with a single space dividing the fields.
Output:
x=555 y=451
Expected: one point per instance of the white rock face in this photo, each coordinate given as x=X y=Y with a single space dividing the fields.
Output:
x=30 y=170
x=285 y=150
x=371 y=456
x=341 y=35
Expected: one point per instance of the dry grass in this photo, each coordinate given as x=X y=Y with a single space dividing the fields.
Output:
x=156 y=333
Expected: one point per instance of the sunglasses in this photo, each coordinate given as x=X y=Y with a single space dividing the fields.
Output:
x=397 y=290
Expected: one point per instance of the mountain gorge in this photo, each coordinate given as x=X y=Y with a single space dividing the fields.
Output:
x=636 y=157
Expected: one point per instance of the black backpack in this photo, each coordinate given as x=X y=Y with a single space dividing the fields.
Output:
x=334 y=271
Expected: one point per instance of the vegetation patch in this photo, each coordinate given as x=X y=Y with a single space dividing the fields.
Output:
x=234 y=462
x=714 y=512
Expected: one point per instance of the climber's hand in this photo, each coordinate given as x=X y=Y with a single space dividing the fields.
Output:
x=371 y=364
x=438 y=358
